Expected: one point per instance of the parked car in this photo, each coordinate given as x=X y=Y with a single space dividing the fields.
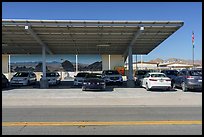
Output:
x=189 y=79
x=53 y=78
x=139 y=74
x=23 y=78
x=5 y=81
x=112 y=77
x=172 y=74
x=156 y=80
x=79 y=78
x=93 y=81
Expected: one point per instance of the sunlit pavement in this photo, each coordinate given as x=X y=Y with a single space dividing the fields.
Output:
x=113 y=95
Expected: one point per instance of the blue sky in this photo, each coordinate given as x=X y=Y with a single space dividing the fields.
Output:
x=179 y=45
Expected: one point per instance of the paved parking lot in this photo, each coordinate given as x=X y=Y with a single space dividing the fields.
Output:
x=65 y=95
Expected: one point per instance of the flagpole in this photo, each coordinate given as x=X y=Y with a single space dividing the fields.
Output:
x=193 y=47
x=193 y=56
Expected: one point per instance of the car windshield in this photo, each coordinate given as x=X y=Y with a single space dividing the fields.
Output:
x=112 y=72
x=195 y=73
x=21 y=74
x=171 y=72
x=81 y=74
x=50 y=75
x=158 y=75
x=93 y=75
x=142 y=72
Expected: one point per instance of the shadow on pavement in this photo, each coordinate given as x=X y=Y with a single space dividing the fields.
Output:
x=62 y=85
x=162 y=90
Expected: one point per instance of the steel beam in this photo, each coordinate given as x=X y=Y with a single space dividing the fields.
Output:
x=90 y=24
x=136 y=35
x=29 y=29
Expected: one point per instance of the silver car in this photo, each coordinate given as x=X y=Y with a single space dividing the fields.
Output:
x=23 y=78
x=53 y=78
x=79 y=78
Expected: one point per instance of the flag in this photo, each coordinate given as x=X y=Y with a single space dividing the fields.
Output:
x=193 y=38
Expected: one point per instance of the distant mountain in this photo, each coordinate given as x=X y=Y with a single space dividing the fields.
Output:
x=67 y=66
x=24 y=68
x=157 y=60
x=96 y=66
x=39 y=68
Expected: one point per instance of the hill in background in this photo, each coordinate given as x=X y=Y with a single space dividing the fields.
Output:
x=176 y=60
x=70 y=66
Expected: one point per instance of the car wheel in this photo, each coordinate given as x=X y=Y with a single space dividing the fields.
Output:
x=28 y=83
x=7 y=84
x=147 y=87
x=183 y=86
x=83 y=89
x=173 y=86
x=169 y=88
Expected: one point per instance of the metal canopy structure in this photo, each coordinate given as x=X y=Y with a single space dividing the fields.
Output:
x=84 y=36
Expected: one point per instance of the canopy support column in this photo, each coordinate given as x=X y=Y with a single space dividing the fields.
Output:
x=130 y=81
x=44 y=81
x=76 y=63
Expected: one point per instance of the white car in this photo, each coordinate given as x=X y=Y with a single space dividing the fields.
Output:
x=53 y=78
x=23 y=78
x=79 y=78
x=156 y=80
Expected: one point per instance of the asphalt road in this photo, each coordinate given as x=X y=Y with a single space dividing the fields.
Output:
x=83 y=116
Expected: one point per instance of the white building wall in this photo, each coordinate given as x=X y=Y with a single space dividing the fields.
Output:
x=143 y=66
x=115 y=60
x=5 y=60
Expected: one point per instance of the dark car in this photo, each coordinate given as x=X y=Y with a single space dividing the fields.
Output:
x=172 y=74
x=189 y=79
x=93 y=81
x=139 y=75
x=5 y=81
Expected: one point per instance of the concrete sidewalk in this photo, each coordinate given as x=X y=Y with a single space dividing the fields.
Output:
x=117 y=97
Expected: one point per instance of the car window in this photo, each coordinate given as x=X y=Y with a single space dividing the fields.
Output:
x=171 y=72
x=81 y=74
x=180 y=74
x=184 y=72
x=50 y=74
x=33 y=75
x=158 y=75
x=21 y=74
x=141 y=72
x=93 y=75
x=112 y=72
x=195 y=73
x=146 y=75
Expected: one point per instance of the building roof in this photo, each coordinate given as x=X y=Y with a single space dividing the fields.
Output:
x=139 y=62
x=83 y=36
